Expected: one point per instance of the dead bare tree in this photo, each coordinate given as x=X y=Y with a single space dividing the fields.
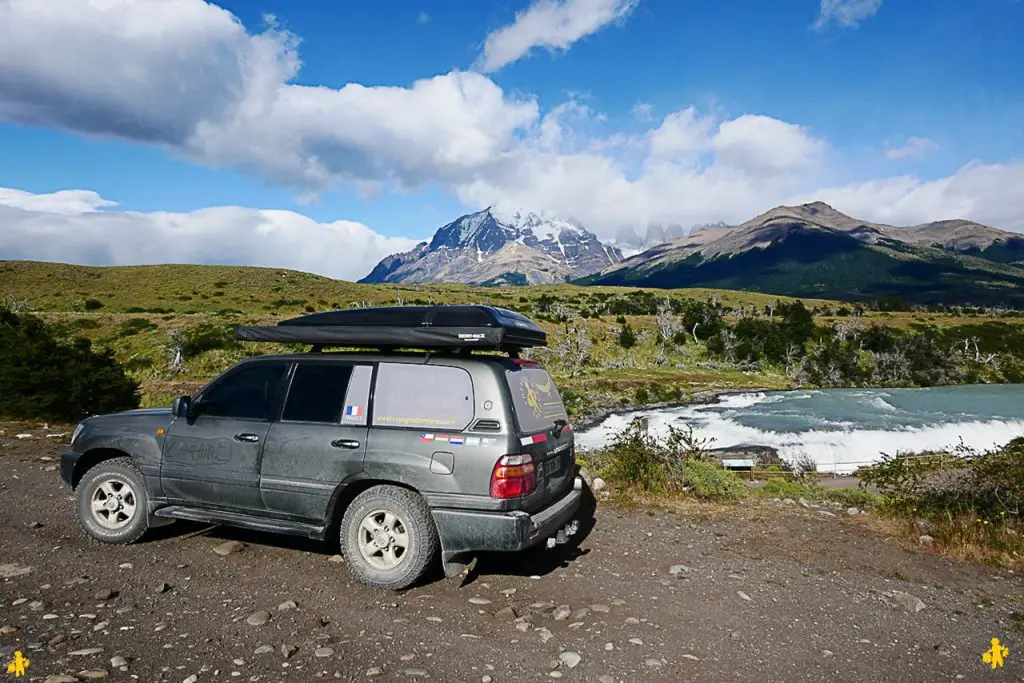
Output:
x=17 y=305
x=771 y=306
x=173 y=346
x=792 y=358
x=573 y=350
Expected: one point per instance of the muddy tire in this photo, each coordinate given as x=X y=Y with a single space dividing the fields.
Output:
x=388 y=537
x=111 y=502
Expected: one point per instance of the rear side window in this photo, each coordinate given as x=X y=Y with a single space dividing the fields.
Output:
x=317 y=393
x=423 y=397
x=535 y=398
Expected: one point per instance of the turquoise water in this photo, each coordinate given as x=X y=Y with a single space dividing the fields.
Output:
x=841 y=429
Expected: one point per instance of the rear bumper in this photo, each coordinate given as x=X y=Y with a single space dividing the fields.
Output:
x=465 y=531
x=68 y=460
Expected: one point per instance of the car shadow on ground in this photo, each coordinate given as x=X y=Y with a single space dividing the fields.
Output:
x=537 y=561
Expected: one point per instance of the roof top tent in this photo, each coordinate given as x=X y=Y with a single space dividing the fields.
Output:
x=450 y=327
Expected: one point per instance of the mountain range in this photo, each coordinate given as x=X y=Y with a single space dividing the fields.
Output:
x=809 y=250
x=815 y=251
x=484 y=249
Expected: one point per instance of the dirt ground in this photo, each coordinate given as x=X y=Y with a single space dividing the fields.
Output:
x=758 y=592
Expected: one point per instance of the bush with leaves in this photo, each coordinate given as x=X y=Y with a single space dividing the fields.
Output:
x=46 y=376
x=638 y=459
x=987 y=485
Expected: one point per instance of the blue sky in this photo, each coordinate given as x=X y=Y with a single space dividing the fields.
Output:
x=893 y=110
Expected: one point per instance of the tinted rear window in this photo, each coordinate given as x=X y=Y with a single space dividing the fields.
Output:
x=535 y=398
x=317 y=393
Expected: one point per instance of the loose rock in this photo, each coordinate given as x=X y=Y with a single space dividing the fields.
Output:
x=545 y=635
x=561 y=612
x=162 y=587
x=104 y=595
x=228 y=547
x=117 y=661
x=93 y=674
x=323 y=652
x=286 y=605
x=258 y=618
x=264 y=649
x=743 y=595
x=852 y=511
x=86 y=652
x=479 y=601
x=600 y=608
x=925 y=539
x=598 y=483
x=677 y=569
x=570 y=659
x=61 y=678
x=13 y=569
x=287 y=650
x=911 y=603
x=653 y=663
x=374 y=671
x=506 y=614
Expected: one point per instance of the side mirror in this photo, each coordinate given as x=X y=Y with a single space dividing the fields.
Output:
x=181 y=406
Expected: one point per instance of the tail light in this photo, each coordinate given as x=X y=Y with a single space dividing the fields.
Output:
x=514 y=476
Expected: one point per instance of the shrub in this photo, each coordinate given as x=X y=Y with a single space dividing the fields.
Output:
x=93 y=304
x=637 y=459
x=43 y=376
x=987 y=485
x=712 y=482
x=132 y=327
x=206 y=337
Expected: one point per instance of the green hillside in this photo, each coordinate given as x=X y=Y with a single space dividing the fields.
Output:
x=608 y=346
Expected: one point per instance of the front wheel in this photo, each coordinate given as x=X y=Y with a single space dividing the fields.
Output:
x=388 y=537
x=111 y=502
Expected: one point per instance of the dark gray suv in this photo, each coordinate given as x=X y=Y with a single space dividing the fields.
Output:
x=405 y=455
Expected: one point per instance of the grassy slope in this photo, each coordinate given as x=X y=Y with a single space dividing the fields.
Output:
x=188 y=296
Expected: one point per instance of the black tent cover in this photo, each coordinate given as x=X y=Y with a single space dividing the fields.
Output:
x=419 y=327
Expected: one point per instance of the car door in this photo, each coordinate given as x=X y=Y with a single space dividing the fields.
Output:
x=319 y=442
x=213 y=459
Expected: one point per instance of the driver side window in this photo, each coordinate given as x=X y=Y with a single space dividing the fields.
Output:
x=248 y=393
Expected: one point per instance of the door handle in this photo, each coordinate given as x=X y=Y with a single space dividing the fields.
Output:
x=250 y=438
x=345 y=443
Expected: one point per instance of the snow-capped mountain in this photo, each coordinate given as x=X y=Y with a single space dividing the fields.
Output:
x=490 y=248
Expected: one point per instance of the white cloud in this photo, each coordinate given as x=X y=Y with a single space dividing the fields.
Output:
x=643 y=111
x=553 y=24
x=846 y=13
x=71 y=226
x=986 y=193
x=185 y=75
x=423 y=18
x=914 y=147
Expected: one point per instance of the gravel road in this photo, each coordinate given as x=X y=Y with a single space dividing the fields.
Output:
x=758 y=592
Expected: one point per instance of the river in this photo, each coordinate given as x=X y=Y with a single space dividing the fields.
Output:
x=842 y=429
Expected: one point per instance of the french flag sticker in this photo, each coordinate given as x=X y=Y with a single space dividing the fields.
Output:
x=353 y=411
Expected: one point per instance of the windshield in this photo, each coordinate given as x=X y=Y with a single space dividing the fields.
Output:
x=535 y=398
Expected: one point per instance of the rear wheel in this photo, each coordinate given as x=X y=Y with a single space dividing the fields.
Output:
x=111 y=502
x=388 y=537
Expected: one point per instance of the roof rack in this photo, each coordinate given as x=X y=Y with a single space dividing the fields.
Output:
x=449 y=327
